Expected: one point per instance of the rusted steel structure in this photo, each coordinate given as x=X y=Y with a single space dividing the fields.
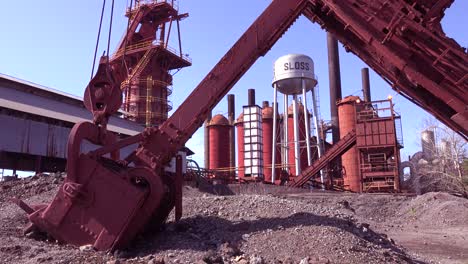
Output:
x=401 y=41
x=267 y=130
x=219 y=128
x=369 y=148
x=366 y=91
x=145 y=60
x=334 y=77
x=301 y=139
x=349 y=159
x=232 y=133
x=404 y=43
x=207 y=140
x=378 y=143
x=240 y=145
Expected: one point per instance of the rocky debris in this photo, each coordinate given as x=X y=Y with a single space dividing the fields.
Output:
x=30 y=186
x=276 y=226
x=436 y=208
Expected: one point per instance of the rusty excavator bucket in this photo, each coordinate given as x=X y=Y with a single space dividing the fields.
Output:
x=102 y=202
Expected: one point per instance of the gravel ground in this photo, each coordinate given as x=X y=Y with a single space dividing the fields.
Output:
x=263 y=224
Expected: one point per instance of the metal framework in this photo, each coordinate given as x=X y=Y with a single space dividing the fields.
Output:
x=378 y=146
x=253 y=142
x=145 y=55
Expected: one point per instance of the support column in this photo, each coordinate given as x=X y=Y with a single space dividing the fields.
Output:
x=38 y=165
x=306 y=121
x=285 y=133
x=297 y=152
x=366 y=84
x=335 y=84
x=207 y=141
x=232 y=133
x=275 y=117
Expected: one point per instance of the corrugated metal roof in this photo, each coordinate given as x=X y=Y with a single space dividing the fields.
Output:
x=52 y=107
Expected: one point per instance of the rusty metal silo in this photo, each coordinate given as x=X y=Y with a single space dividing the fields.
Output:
x=219 y=144
x=301 y=139
x=240 y=145
x=267 y=134
x=349 y=160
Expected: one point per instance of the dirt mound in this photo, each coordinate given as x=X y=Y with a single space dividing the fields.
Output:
x=436 y=209
x=273 y=227
x=31 y=186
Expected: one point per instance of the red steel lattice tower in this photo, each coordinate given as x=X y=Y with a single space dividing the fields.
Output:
x=144 y=60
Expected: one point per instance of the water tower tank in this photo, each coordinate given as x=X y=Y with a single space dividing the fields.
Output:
x=290 y=70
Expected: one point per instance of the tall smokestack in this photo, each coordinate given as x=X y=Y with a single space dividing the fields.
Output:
x=232 y=141
x=366 y=84
x=335 y=83
x=251 y=97
x=207 y=141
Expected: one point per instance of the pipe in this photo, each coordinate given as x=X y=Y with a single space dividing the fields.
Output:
x=297 y=152
x=335 y=84
x=275 y=117
x=366 y=84
x=207 y=140
x=251 y=96
x=285 y=131
x=232 y=133
x=306 y=121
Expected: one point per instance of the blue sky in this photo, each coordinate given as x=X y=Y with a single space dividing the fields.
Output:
x=52 y=43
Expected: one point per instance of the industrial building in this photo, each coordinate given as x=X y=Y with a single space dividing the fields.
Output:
x=39 y=121
x=370 y=163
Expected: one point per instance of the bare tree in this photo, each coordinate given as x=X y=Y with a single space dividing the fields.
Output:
x=443 y=164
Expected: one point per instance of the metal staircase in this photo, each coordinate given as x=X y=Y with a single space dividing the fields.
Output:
x=139 y=67
x=336 y=150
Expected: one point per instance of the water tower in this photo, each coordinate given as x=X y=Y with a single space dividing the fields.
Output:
x=294 y=75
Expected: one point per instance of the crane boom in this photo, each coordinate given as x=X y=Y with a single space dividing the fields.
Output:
x=416 y=58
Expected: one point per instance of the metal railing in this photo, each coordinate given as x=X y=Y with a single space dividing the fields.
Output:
x=130 y=48
x=173 y=3
x=379 y=167
x=151 y=44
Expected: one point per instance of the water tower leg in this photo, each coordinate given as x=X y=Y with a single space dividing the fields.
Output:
x=306 y=121
x=297 y=152
x=275 y=117
x=285 y=129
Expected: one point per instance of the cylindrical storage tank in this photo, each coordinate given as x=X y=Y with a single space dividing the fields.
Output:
x=240 y=145
x=303 y=151
x=290 y=70
x=267 y=133
x=219 y=144
x=349 y=160
x=428 y=143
